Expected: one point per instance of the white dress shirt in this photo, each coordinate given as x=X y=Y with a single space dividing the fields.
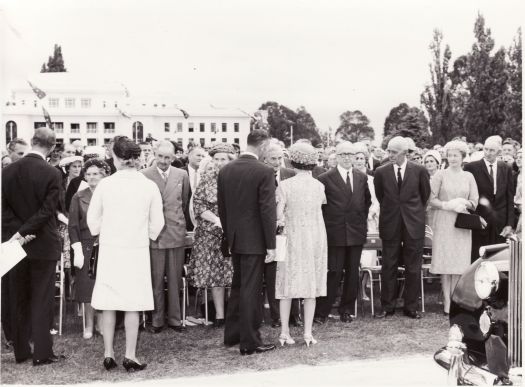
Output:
x=494 y=171
x=194 y=178
x=346 y=172
x=403 y=168
x=164 y=173
x=277 y=175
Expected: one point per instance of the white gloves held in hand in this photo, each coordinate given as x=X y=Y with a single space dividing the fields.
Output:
x=458 y=205
x=78 y=255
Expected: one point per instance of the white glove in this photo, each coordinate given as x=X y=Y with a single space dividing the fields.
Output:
x=218 y=223
x=62 y=218
x=78 y=255
x=456 y=205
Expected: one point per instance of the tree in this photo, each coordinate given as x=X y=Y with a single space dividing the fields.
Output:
x=282 y=119
x=407 y=121
x=437 y=98
x=513 y=103
x=55 y=64
x=354 y=126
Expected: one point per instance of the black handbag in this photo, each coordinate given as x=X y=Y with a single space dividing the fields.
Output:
x=93 y=261
x=469 y=222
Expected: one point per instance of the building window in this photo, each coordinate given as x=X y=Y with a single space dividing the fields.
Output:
x=107 y=141
x=190 y=139
x=166 y=126
x=53 y=102
x=236 y=140
x=10 y=131
x=35 y=104
x=214 y=127
x=85 y=103
x=75 y=128
x=235 y=126
x=58 y=127
x=39 y=125
x=213 y=140
x=190 y=127
x=109 y=127
x=201 y=126
x=91 y=127
x=70 y=102
x=224 y=126
x=92 y=141
x=179 y=141
x=72 y=140
x=224 y=139
x=179 y=126
x=138 y=131
x=202 y=142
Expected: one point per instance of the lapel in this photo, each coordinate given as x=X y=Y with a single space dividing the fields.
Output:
x=483 y=167
x=85 y=196
x=408 y=174
x=157 y=178
x=338 y=180
x=171 y=183
x=391 y=175
x=500 y=183
x=357 y=180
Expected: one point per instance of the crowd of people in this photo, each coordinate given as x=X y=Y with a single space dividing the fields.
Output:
x=136 y=204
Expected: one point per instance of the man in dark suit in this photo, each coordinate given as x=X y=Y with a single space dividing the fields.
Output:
x=345 y=216
x=195 y=155
x=30 y=195
x=402 y=188
x=496 y=197
x=247 y=210
x=273 y=158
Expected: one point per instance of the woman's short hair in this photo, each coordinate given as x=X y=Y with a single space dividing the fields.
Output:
x=127 y=150
x=458 y=145
x=97 y=162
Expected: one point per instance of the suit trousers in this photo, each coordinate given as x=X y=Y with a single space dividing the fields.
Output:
x=243 y=317
x=412 y=253
x=31 y=301
x=270 y=270
x=169 y=263
x=5 y=319
x=339 y=258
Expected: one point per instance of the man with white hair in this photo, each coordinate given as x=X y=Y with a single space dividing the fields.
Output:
x=496 y=196
x=402 y=188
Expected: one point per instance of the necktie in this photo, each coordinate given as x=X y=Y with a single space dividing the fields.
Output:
x=276 y=180
x=348 y=184
x=164 y=176
x=194 y=180
x=399 y=178
x=491 y=174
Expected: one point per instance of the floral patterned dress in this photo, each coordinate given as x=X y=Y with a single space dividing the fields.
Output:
x=207 y=266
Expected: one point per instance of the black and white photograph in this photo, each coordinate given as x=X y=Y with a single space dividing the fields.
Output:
x=261 y=193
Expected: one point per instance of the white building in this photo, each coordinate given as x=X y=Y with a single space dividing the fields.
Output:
x=94 y=112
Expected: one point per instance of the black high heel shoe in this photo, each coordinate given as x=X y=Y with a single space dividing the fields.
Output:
x=109 y=363
x=132 y=366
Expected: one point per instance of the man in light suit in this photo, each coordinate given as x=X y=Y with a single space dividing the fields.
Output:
x=274 y=158
x=248 y=213
x=496 y=197
x=167 y=252
x=402 y=189
x=30 y=196
x=345 y=215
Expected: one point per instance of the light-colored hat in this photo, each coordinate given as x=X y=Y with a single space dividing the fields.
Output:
x=303 y=153
x=221 y=147
x=69 y=160
x=94 y=151
x=435 y=154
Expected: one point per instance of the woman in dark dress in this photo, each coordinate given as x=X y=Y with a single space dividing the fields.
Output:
x=82 y=240
x=208 y=268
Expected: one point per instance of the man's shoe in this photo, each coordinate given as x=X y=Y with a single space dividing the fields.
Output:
x=412 y=314
x=50 y=360
x=178 y=328
x=276 y=324
x=155 y=330
x=23 y=359
x=319 y=320
x=346 y=318
x=385 y=313
x=261 y=349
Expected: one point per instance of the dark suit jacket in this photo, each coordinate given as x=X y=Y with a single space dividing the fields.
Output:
x=376 y=163
x=77 y=226
x=247 y=206
x=286 y=173
x=346 y=211
x=189 y=224
x=407 y=205
x=318 y=171
x=501 y=210
x=30 y=195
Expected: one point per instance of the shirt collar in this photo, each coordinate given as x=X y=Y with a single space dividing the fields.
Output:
x=250 y=154
x=402 y=166
x=343 y=171
x=495 y=163
x=37 y=153
x=167 y=172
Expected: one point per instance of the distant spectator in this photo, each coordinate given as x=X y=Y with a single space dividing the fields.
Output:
x=432 y=161
x=79 y=148
x=69 y=150
x=6 y=160
x=16 y=149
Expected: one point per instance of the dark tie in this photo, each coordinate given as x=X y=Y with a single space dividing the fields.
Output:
x=348 y=185
x=399 y=178
x=491 y=174
x=276 y=180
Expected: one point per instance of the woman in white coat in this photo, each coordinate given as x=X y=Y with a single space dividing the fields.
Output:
x=125 y=212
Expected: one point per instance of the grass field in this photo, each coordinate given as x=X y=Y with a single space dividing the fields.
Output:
x=199 y=350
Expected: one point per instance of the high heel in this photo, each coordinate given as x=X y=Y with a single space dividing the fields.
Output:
x=309 y=339
x=132 y=366
x=286 y=339
x=109 y=363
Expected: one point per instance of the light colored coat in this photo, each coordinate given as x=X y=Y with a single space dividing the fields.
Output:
x=175 y=194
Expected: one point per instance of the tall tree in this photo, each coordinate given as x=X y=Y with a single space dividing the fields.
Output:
x=513 y=102
x=55 y=63
x=407 y=121
x=282 y=120
x=436 y=97
x=354 y=126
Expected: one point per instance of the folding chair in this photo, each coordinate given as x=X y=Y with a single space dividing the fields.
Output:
x=60 y=283
x=425 y=267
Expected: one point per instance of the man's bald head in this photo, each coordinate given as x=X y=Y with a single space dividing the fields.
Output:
x=165 y=146
x=344 y=153
x=344 y=147
x=273 y=156
x=397 y=149
x=492 y=148
x=44 y=140
x=493 y=141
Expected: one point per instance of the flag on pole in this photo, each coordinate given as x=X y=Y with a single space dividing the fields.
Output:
x=48 y=118
x=124 y=114
x=39 y=92
x=184 y=113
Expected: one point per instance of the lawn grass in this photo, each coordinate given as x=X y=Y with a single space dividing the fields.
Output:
x=199 y=350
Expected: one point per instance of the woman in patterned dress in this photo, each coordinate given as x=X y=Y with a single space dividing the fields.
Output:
x=208 y=268
x=453 y=191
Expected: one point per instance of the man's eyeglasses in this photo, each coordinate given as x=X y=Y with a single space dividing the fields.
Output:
x=345 y=154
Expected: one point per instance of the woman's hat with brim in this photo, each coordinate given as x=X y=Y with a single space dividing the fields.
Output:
x=69 y=160
x=303 y=153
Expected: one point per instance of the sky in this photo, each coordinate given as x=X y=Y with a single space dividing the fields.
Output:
x=329 y=56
